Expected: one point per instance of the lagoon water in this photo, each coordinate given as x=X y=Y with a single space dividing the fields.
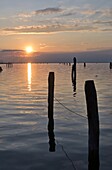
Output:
x=24 y=140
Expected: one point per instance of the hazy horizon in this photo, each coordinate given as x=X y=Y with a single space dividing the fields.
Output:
x=19 y=56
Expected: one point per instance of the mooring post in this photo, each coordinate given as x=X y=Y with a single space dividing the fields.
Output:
x=93 y=125
x=74 y=70
x=73 y=76
x=110 y=65
x=84 y=64
x=50 y=112
x=50 y=95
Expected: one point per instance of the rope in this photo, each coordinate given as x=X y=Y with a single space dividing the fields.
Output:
x=69 y=109
x=66 y=154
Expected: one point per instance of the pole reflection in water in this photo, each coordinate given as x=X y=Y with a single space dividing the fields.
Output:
x=74 y=87
x=29 y=70
x=51 y=135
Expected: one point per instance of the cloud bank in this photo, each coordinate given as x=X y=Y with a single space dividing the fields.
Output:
x=54 y=20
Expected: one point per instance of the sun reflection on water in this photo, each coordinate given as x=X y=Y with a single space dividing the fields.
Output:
x=29 y=70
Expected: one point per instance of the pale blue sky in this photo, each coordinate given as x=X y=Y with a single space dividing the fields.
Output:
x=56 y=25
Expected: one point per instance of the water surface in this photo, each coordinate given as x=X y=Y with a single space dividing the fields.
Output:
x=24 y=141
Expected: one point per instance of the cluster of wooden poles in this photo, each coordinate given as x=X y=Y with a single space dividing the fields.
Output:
x=93 y=119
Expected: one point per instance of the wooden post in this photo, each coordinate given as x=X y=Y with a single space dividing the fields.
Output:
x=84 y=64
x=93 y=123
x=74 y=70
x=50 y=95
x=73 y=75
x=1 y=69
x=110 y=65
x=50 y=112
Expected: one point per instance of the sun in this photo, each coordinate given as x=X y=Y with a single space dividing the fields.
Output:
x=29 y=49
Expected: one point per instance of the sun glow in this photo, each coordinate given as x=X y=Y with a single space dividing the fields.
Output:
x=29 y=49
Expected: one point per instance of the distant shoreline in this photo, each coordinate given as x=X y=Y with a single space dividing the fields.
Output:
x=50 y=62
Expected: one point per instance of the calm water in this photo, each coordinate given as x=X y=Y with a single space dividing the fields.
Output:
x=24 y=141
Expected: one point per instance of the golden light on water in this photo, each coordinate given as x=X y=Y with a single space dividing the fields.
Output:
x=29 y=70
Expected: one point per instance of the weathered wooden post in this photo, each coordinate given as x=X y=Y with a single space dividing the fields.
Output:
x=1 y=69
x=50 y=95
x=93 y=123
x=74 y=70
x=110 y=65
x=73 y=75
x=50 y=112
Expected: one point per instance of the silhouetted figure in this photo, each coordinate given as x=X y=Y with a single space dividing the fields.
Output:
x=1 y=69
x=74 y=76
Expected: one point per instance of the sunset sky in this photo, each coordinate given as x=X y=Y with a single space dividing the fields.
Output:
x=56 y=25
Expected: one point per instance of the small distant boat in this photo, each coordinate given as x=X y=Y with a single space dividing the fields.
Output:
x=1 y=69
